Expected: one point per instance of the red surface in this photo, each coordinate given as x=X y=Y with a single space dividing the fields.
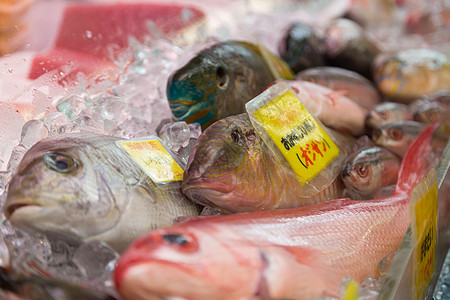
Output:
x=88 y=32
x=62 y=60
x=91 y=28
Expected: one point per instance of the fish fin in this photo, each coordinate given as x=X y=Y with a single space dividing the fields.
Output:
x=418 y=160
x=278 y=67
x=334 y=95
x=297 y=261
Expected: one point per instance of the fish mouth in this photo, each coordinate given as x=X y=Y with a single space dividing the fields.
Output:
x=18 y=205
x=207 y=192
x=10 y=210
x=190 y=112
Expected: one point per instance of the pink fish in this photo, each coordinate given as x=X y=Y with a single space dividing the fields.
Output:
x=331 y=107
x=299 y=253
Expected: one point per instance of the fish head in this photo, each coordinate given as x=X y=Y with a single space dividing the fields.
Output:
x=212 y=84
x=430 y=112
x=388 y=112
x=183 y=262
x=300 y=48
x=219 y=81
x=192 y=90
x=366 y=171
x=397 y=136
x=58 y=191
x=222 y=163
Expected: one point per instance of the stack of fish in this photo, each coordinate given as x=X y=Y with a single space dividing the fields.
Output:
x=13 y=24
x=274 y=238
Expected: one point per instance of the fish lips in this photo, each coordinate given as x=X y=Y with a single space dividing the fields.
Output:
x=192 y=111
x=19 y=207
x=206 y=191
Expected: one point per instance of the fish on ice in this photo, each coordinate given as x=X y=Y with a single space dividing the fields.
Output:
x=81 y=187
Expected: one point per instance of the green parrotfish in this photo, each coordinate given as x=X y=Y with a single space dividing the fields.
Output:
x=221 y=79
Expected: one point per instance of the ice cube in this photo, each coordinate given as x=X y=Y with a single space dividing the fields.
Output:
x=32 y=132
x=175 y=135
x=95 y=259
x=16 y=156
x=184 y=152
x=72 y=105
x=133 y=128
x=370 y=289
x=110 y=109
x=55 y=121
x=88 y=123
x=61 y=264
x=195 y=129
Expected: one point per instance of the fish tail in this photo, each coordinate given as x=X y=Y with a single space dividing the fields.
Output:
x=418 y=160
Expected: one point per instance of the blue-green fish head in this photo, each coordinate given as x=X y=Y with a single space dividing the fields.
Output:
x=191 y=90
x=219 y=81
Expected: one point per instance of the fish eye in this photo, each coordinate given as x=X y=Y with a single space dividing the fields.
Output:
x=236 y=135
x=183 y=242
x=222 y=77
x=362 y=170
x=395 y=133
x=61 y=162
x=175 y=239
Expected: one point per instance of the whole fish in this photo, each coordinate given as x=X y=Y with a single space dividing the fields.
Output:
x=388 y=112
x=300 y=253
x=397 y=136
x=331 y=107
x=220 y=80
x=83 y=187
x=231 y=168
x=411 y=74
x=355 y=86
x=301 y=48
x=369 y=170
x=349 y=47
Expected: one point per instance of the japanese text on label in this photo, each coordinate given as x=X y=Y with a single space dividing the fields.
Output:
x=154 y=159
x=300 y=138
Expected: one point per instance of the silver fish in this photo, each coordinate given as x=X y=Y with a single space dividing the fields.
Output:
x=369 y=170
x=84 y=187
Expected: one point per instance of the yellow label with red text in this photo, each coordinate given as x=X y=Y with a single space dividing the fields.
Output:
x=425 y=235
x=297 y=134
x=154 y=159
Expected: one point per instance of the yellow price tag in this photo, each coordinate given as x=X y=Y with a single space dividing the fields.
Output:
x=154 y=159
x=296 y=133
x=424 y=227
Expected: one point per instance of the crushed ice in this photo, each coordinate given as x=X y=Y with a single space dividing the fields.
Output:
x=131 y=105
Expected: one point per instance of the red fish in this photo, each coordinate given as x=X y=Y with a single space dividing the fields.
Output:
x=299 y=253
